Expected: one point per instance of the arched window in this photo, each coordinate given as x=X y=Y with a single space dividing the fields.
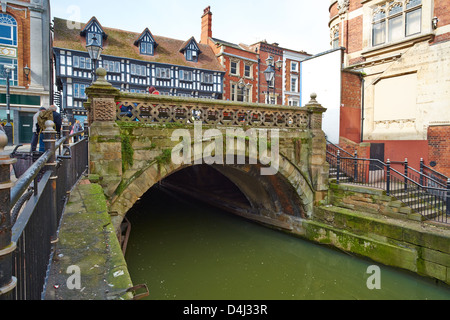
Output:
x=8 y=56
x=8 y=30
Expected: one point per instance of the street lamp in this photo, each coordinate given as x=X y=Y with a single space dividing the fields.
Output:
x=95 y=51
x=8 y=126
x=242 y=86
x=26 y=71
x=269 y=74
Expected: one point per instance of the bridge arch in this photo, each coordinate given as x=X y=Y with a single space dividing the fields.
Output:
x=141 y=138
x=288 y=193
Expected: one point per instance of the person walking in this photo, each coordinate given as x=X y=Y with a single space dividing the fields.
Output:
x=35 y=129
x=77 y=128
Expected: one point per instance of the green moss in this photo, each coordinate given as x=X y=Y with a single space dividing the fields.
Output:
x=127 y=152
x=165 y=157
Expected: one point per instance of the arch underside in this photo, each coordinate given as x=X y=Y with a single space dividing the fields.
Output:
x=269 y=196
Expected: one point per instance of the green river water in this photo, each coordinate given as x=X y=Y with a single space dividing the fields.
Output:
x=185 y=250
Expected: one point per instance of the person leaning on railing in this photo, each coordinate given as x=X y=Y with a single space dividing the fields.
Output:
x=44 y=116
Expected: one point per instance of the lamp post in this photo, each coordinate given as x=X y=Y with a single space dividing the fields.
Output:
x=26 y=71
x=270 y=74
x=8 y=126
x=95 y=51
x=242 y=86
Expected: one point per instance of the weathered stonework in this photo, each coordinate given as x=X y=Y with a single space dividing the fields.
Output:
x=366 y=222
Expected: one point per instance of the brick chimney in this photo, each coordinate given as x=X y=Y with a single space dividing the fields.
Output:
x=206 y=25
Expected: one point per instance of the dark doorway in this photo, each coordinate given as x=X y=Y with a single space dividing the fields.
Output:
x=376 y=153
x=26 y=127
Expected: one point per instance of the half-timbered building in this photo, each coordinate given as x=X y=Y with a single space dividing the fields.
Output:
x=134 y=62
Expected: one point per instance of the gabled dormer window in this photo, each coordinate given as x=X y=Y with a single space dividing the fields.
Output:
x=146 y=43
x=191 y=50
x=93 y=32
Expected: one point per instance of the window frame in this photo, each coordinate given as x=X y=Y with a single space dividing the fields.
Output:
x=294 y=88
x=147 y=48
x=384 y=14
x=236 y=73
x=12 y=25
x=162 y=73
x=186 y=75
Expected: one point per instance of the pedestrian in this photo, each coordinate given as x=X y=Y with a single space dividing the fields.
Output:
x=1 y=128
x=35 y=129
x=44 y=116
x=57 y=119
x=77 y=128
x=152 y=90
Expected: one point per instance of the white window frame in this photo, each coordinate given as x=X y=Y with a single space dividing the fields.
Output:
x=384 y=23
x=294 y=66
x=294 y=88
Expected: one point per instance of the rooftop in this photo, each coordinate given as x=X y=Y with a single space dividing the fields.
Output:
x=121 y=43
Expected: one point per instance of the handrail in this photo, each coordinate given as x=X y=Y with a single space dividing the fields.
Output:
x=429 y=178
x=385 y=166
x=400 y=185
x=434 y=171
x=336 y=146
x=27 y=178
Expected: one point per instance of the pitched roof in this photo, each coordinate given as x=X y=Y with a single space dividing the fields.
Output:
x=88 y=25
x=142 y=35
x=186 y=44
x=120 y=43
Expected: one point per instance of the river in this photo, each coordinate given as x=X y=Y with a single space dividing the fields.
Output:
x=186 y=250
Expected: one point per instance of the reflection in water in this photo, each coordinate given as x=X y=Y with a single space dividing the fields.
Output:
x=190 y=251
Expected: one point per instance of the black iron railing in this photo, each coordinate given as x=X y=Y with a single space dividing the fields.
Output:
x=424 y=194
x=37 y=202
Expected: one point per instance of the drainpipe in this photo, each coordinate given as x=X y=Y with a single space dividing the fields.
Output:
x=259 y=75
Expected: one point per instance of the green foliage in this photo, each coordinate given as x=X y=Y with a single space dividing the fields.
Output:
x=127 y=152
x=165 y=157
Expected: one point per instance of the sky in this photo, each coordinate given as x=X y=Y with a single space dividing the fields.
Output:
x=300 y=25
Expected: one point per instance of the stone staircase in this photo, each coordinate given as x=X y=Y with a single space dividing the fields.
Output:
x=430 y=206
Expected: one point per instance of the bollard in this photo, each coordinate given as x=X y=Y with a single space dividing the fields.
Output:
x=7 y=281
x=50 y=144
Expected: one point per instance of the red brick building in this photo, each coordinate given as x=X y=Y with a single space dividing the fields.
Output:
x=25 y=42
x=395 y=93
x=245 y=66
x=241 y=64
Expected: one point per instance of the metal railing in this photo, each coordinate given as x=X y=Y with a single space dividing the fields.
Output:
x=422 y=193
x=37 y=202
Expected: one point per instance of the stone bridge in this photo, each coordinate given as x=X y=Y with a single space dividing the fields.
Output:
x=265 y=163
x=272 y=157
